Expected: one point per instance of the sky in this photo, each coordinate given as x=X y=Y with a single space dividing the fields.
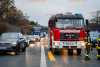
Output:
x=41 y=10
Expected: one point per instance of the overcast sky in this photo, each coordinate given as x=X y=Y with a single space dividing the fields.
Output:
x=41 y=10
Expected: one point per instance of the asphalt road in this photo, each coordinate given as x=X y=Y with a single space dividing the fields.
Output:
x=31 y=58
x=73 y=61
x=38 y=55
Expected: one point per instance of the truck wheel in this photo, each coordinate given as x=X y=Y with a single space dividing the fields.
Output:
x=70 y=51
x=78 y=51
x=57 y=51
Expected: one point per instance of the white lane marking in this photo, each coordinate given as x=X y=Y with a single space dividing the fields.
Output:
x=43 y=58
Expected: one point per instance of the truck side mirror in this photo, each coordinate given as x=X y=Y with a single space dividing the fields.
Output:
x=51 y=23
x=87 y=22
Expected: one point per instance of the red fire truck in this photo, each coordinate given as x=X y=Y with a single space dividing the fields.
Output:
x=67 y=31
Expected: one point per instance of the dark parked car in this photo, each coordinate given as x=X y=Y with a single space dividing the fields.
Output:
x=12 y=42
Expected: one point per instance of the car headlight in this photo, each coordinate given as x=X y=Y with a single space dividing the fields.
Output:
x=13 y=43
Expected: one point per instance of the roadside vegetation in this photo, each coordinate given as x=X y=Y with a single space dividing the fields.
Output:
x=13 y=19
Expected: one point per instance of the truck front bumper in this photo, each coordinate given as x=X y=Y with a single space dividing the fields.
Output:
x=68 y=44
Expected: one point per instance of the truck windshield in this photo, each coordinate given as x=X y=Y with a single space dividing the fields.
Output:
x=63 y=23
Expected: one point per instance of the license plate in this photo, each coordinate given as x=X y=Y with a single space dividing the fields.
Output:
x=70 y=44
x=65 y=44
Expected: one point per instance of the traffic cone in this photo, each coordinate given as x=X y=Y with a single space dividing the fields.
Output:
x=51 y=56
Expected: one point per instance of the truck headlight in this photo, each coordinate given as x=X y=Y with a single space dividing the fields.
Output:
x=83 y=43
x=56 y=43
x=80 y=44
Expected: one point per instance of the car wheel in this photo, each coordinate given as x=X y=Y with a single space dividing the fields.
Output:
x=19 y=48
x=22 y=47
x=26 y=44
x=16 y=52
x=23 y=50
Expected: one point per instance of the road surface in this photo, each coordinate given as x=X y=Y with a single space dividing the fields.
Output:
x=37 y=55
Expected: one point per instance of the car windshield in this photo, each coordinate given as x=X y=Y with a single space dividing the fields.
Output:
x=70 y=23
x=6 y=36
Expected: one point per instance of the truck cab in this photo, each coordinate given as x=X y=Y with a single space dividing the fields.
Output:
x=67 y=31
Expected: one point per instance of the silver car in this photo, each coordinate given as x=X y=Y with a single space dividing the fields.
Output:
x=12 y=42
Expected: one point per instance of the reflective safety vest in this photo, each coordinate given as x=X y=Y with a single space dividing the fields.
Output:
x=97 y=47
x=98 y=56
x=88 y=45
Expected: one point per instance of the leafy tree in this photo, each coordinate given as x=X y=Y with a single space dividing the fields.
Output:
x=33 y=23
x=9 y=14
x=4 y=9
x=5 y=5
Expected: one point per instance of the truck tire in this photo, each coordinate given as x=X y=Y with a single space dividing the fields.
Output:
x=78 y=51
x=56 y=51
x=70 y=51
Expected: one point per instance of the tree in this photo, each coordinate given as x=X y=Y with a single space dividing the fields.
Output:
x=33 y=23
x=5 y=5
x=4 y=9
x=10 y=15
x=3 y=27
x=14 y=15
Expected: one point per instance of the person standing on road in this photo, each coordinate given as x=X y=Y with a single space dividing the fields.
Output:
x=87 y=49
x=98 y=49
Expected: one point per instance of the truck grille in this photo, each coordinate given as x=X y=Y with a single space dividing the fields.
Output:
x=69 y=36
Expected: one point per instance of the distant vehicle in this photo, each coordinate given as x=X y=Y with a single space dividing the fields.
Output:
x=43 y=34
x=94 y=35
x=67 y=31
x=36 y=32
x=12 y=42
x=29 y=38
